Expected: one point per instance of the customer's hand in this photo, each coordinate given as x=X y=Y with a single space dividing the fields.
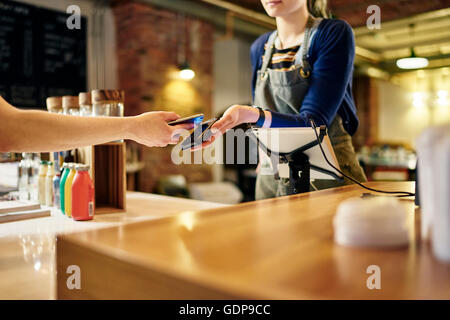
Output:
x=233 y=116
x=152 y=130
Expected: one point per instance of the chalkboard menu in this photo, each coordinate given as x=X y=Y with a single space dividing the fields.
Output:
x=39 y=55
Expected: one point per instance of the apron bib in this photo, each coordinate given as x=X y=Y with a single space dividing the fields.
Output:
x=284 y=91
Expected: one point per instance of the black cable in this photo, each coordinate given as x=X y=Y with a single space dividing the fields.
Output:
x=397 y=193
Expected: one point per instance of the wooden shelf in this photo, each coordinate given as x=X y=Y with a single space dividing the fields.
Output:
x=108 y=172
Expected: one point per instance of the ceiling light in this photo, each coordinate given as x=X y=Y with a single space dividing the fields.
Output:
x=412 y=62
x=186 y=73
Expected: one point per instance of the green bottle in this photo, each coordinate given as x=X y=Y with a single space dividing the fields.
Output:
x=64 y=175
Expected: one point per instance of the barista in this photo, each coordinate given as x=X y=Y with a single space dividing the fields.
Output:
x=302 y=70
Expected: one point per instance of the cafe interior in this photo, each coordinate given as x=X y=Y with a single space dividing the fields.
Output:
x=193 y=229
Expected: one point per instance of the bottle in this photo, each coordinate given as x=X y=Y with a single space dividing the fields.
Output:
x=23 y=183
x=49 y=184
x=56 y=195
x=68 y=191
x=83 y=194
x=33 y=178
x=41 y=181
x=65 y=173
x=55 y=182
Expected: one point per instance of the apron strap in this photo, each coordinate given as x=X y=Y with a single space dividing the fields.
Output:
x=268 y=53
x=302 y=54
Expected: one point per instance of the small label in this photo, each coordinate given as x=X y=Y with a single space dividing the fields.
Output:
x=91 y=209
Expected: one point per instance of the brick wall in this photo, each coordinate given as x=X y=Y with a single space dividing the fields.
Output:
x=149 y=41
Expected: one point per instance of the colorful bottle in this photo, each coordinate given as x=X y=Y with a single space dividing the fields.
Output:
x=41 y=181
x=68 y=190
x=82 y=194
x=62 y=183
x=49 y=184
x=65 y=173
x=55 y=181
x=56 y=190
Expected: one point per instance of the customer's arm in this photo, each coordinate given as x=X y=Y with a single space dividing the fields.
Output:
x=39 y=131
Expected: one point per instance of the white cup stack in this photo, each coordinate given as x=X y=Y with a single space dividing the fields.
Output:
x=433 y=153
x=375 y=222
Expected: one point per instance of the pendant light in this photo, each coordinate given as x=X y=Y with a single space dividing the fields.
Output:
x=185 y=71
x=412 y=62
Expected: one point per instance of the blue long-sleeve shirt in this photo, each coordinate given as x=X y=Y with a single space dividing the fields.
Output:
x=331 y=56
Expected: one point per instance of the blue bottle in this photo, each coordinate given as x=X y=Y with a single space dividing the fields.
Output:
x=56 y=190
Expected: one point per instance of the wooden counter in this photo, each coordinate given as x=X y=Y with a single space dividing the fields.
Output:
x=27 y=247
x=277 y=249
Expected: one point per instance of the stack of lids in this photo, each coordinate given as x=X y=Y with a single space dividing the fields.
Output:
x=373 y=222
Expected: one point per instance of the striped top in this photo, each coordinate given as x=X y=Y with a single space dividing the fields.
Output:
x=331 y=55
x=282 y=59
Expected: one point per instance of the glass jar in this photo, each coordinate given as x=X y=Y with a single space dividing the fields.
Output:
x=54 y=104
x=85 y=102
x=71 y=105
x=108 y=103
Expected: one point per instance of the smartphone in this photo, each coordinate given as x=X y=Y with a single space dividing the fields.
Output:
x=200 y=134
x=195 y=119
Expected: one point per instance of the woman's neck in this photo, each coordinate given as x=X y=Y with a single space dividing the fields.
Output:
x=291 y=28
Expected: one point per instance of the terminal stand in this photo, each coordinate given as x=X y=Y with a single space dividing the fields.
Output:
x=298 y=161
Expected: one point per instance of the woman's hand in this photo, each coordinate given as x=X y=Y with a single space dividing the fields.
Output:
x=152 y=130
x=234 y=116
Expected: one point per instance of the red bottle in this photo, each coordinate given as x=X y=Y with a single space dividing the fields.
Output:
x=83 y=194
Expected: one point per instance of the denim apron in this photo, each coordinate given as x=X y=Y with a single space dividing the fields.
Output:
x=284 y=91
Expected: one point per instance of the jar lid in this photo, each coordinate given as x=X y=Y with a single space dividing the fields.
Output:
x=105 y=96
x=54 y=103
x=70 y=102
x=84 y=98
x=82 y=167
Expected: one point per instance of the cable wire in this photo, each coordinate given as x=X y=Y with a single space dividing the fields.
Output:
x=396 y=193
